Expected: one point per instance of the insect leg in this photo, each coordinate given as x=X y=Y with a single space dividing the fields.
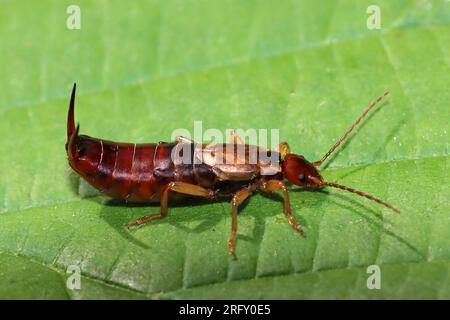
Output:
x=276 y=185
x=181 y=139
x=238 y=198
x=180 y=187
x=235 y=139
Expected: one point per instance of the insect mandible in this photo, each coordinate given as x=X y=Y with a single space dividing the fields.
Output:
x=147 y=172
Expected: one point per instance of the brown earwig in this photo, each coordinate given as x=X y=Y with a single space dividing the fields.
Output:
x=147 y=172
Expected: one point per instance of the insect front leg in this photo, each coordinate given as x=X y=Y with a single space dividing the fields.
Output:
x=238 y=198
x=180 y=187
x=235 y=139
x=276 y=185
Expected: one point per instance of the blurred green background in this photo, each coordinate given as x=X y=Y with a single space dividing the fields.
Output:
x=308 y=68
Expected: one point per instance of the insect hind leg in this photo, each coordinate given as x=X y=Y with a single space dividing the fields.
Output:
x=180 y=187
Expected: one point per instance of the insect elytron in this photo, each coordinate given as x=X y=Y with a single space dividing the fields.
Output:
x=147 y=173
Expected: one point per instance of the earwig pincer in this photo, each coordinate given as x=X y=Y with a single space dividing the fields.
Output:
x=149 y=173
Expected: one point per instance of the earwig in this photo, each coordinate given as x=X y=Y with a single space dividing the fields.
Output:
x=148 y=172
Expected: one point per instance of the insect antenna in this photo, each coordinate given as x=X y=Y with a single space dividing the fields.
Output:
x=374 y=103
x=362 y=194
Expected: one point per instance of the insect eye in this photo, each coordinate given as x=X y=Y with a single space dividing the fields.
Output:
x=302 y=177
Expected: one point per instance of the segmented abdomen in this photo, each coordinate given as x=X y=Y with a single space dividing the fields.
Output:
x=135 y=172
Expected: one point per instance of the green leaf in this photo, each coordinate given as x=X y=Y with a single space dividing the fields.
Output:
x=307 y=68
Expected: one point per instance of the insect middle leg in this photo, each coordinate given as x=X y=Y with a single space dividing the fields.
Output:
x=238 y=198
x=276 y=185
x=180 y=187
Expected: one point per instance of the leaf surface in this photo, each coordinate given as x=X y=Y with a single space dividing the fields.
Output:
x=305 y=68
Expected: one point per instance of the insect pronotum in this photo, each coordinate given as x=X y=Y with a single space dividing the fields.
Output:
x=147 y=172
